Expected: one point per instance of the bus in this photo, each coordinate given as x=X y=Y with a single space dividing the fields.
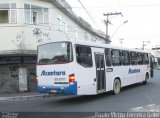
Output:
x=87 y=68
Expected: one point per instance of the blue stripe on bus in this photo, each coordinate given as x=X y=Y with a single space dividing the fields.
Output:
x=70 y=90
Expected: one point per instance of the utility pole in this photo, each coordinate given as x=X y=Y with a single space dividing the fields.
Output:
x=121 y=41
x=108 y=22
x=144 y=44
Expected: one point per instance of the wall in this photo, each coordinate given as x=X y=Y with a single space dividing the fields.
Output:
x=9 y=78
x=27 y=36
x=21 y=36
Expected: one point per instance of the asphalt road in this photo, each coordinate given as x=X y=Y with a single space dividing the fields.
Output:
x=135 y=98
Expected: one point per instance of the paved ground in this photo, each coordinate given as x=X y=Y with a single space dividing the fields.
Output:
x=20 y=96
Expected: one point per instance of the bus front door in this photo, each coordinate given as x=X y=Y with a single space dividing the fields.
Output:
x=100 y=72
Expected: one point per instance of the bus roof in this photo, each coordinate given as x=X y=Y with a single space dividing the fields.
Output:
x=93 y=44
x=99 y=45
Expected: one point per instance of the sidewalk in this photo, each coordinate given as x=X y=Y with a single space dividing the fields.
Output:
x=20 y=96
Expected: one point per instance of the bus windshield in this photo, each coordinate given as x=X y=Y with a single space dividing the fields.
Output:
x=55 y=53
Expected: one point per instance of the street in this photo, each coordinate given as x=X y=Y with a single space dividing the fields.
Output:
x=135 y=98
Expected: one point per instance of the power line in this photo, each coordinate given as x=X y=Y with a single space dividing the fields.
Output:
x=89 y=15
x=74 y=7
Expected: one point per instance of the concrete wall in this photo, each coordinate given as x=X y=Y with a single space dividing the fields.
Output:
x=9 y=78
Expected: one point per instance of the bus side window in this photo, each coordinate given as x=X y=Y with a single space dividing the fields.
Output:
x=84 y=55
x=140 y=58
x=145 y=58
x=116 y=57
x=108 y=57
x=133 y=56
x=125 y=58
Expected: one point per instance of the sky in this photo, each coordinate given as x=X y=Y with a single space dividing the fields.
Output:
x=143 y=18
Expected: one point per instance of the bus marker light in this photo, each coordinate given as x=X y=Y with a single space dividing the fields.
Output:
x=37 y=79
x=71 y=78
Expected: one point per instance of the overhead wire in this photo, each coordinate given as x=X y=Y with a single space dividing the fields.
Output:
x=75 y=7
x=95 y=23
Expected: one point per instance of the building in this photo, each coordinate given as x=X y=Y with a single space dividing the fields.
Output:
x=156 y=53
x=24 y=24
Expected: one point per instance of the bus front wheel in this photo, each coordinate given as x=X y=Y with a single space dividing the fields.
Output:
x=116 y=86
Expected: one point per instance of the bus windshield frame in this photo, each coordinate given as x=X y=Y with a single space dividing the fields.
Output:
x=55 y=53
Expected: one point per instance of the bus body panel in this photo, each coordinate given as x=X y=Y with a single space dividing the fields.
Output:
x=127 y=76
x=85 y=77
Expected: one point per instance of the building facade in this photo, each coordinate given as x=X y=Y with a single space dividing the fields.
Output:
x=156 y=53
x=24 y=24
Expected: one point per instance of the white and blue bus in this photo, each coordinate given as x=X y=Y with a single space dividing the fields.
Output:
x=86 y=68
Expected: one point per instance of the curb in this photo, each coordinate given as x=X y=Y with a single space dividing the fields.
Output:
x=22 y=97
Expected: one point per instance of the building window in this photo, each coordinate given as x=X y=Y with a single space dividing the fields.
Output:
x=35 y=14
x=8 y=13
x=13 y=13
x=62 y=24
x=85 y=36
x=4 y=16
x=27 y=13
x=59 y=23
x=93 y=39
x=35 y=17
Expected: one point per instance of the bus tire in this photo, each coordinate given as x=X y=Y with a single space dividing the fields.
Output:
x=116 y=86
x=146 y=79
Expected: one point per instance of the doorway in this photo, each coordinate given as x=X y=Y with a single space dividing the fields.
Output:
x=100 y=72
